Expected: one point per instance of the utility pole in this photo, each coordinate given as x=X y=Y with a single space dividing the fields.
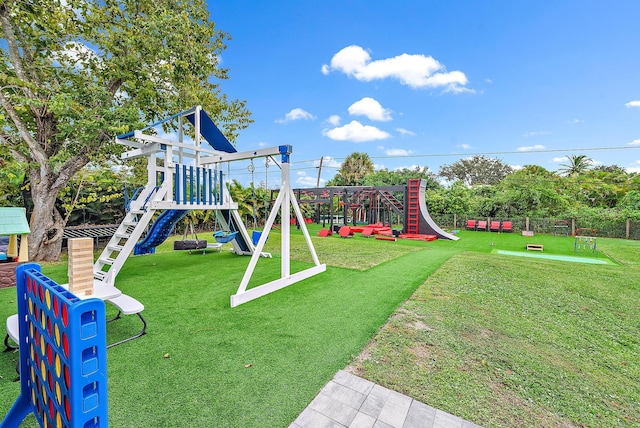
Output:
x=319 y=171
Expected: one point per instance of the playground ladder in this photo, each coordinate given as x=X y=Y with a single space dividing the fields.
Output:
x=121 y=244
x=392 y=202
x=413 y=206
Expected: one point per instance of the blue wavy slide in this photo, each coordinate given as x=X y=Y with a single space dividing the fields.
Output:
x=159 y=232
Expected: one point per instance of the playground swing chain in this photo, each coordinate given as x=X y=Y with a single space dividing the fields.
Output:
x=252 y=169
x=266 y=187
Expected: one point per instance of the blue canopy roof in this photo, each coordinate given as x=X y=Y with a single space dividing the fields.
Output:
x=208 y=130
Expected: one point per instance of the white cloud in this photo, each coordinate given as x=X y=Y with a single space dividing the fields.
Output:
x=416 y=71
x=576 y=120
x=403 y=131
x=634 y=143
x=378 y=166
x=536 y=133
x=410 y=167
x=516 y=167
x=488 y=80
x=305 y=180
x=634 y=169
x=370 y=108
x=633 y=104
x=334 y=120
x=296 y=114
x=76 y=54
x=327 y=162
x=398 y=152
x=531 y=148
x=464 y=146
x=262 y=144
x=356 y=132
x=560 y=159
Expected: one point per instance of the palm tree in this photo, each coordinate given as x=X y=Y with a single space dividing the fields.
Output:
x=355 y=168
x=577 y=165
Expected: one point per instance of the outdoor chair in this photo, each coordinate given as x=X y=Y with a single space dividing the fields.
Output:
x=507 y=226
x=482 y=225
x=471 y=225
x=494 y=226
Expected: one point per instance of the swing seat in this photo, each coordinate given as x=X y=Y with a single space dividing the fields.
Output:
x=190 y=244
x=255 y=236
x=223 y=238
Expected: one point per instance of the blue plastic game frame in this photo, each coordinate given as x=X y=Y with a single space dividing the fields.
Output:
x=63 y=359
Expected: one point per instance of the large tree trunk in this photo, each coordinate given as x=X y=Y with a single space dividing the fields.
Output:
x=46 y=223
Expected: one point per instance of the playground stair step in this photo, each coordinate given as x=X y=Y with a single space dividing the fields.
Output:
x=392 y=201
x=121 y=244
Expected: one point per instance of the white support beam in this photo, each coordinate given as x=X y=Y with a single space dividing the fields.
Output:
x=130 y=143
x=147 y=149
x=270 y=287
x=250 y=154
x=283 y=203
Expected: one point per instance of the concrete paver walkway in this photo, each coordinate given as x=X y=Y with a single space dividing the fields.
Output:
x=350 y=401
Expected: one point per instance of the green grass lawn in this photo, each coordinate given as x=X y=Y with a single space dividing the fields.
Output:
x=495 y=339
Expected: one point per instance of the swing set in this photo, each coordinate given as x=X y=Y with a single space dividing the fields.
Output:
x=187 y=175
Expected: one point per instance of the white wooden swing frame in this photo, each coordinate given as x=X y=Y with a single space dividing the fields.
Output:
x=283 y=203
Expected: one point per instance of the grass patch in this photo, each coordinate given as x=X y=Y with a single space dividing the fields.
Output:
x=295 y=340
x=510 y=342
x=497 y=340
x=352 y=253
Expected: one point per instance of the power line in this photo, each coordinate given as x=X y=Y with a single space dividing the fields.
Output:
x=239 y=171
x=513 y=152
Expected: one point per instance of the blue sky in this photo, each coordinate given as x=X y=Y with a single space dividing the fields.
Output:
x=430 y=82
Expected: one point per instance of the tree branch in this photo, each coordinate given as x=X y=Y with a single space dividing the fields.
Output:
x=38 y=154
x=69 y=168
x=75 y=200
x=14 y=49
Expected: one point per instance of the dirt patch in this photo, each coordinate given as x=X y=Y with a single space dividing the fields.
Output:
x=525 y=413
x=419 y=325
x=355 y=367
x=423 y=356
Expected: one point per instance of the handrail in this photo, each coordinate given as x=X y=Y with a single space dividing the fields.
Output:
x=127 y=203
x=144 y=206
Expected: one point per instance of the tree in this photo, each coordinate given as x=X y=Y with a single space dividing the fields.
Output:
x=455 y=199
x=477 y=169
x=353 y=170
x=385 y=177
x=578 y=164
x=75 y=73
x=532 y=191
x=602 y=187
